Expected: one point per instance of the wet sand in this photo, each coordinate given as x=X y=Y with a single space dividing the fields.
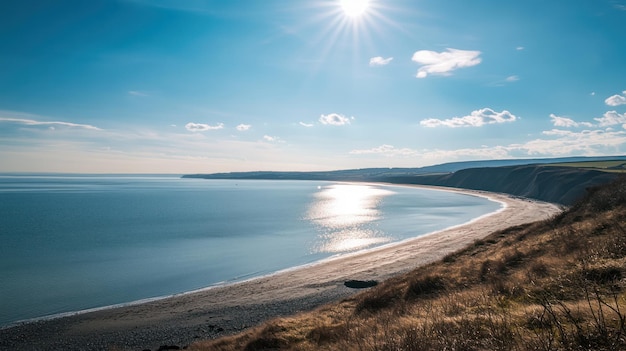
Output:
x=183 y=319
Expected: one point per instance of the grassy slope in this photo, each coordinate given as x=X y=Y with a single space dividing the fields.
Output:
x=606 y=166
x=551 y=285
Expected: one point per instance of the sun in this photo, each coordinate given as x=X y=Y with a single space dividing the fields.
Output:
x=354 y=8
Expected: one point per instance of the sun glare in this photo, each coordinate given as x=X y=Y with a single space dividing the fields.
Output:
x=349 y=24
x=354 y=8
x=344 y=215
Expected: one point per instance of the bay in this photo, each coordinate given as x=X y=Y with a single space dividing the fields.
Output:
x=70 y=243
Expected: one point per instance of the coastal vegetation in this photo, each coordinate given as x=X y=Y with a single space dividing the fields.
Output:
x=557 y=284
x=617 y=166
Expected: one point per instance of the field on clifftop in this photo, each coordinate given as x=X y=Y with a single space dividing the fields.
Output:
x=557 y=284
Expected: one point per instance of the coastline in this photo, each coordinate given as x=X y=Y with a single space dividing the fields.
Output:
x=220 y=310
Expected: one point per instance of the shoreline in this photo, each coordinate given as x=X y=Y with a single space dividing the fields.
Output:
x=236 y=280
x=250 y=277
x=225 y=309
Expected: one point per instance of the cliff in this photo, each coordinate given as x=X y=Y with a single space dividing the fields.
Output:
x=562 y=185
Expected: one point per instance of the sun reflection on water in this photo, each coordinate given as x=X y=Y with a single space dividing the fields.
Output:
x=345 y=213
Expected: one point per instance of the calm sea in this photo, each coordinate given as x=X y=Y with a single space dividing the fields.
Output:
x=70 y=243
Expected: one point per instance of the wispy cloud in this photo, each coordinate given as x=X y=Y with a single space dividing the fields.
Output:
x=553 y=143
x=380 y=61
x=566 y=142
x=138 y=93
x=128 y=150
x=620 y=6
x=495 y=152
x=519 y=48
x=512 y=78
x=612 y=118
x=201 y=127
x=616 y=100
x=566 y=122
x=386 y=150
x=187 y=6
x=435 y=155
x=443 y=63
x=505 y=81
x=32 y=122
x=334 y=119
x=243 y=127
x=308 y=125
x=272 y=139
x=477 y=118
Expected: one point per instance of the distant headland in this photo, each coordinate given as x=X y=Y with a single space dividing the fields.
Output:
x=556 y=180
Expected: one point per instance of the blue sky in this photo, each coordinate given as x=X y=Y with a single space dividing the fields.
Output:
x=188 y=86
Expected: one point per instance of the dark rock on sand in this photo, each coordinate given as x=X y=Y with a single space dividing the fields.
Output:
x=360 y=284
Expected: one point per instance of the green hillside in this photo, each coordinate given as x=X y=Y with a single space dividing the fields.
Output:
x=617 y=166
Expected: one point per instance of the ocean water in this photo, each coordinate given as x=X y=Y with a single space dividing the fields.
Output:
x=71 y=243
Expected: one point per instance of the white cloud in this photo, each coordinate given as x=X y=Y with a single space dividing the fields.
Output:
x=390 y=151
x=380 y=61
x=442 y=63
x=334 y=119
x=562 y=121
x=612 y=118
x=496 y=152
x=308 y=125
x=477 y=118
x=566 y=122
x=565 y=142
x=512 y=78
x=519 y=48
x=201 y=127
x=272 y=139
x=554 y=143
x=32 y=122
x=386 y=150
x=243 y=127
x=616 y=100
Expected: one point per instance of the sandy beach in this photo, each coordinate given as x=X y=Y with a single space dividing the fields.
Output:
x=183 y=319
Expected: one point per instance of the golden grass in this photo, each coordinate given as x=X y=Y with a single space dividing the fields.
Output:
x=552 y=285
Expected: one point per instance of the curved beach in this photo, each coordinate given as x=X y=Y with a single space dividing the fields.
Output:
x=182 y=319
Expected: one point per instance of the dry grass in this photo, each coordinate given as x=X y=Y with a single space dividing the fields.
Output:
x=552 y=285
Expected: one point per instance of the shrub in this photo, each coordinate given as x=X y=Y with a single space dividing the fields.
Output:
x=377 y=299
x=425 y=286
x=603 y=275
